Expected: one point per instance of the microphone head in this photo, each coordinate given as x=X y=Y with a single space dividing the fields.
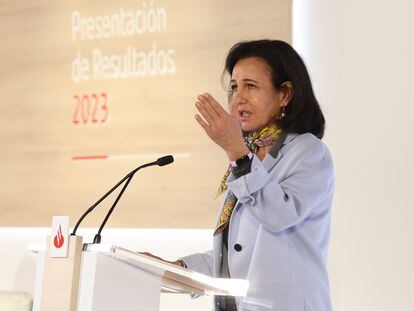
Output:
x=165 y=160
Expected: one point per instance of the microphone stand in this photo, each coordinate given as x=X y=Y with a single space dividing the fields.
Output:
x=108 y=193
x=97 y=238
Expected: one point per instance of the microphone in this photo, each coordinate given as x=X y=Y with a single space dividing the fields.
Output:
x=165 y=160
x=160 y=162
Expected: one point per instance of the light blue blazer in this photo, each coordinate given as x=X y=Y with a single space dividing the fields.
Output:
x=282 y=223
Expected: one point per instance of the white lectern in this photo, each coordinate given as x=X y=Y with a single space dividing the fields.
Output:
x=95 y=277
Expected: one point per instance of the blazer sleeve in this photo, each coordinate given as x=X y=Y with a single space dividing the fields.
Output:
x=306 y=180
x=202 y=263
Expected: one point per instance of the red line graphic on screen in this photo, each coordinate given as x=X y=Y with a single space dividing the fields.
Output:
x=131 y=156
x=91 y=157
x=59 y=239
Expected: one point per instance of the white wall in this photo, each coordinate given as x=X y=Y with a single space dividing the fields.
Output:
x=360 y=56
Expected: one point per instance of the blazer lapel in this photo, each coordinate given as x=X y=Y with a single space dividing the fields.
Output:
x=274 y=155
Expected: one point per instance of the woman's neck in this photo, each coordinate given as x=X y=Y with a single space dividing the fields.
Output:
x=262 y=151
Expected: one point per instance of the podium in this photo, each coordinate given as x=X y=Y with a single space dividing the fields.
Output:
x=108 y=277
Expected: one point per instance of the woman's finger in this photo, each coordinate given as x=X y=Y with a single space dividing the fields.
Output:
x=202 y=123
x=208 y=106
x=206 y=114
x=215 y=104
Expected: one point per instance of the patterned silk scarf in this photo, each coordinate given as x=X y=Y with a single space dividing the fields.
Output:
x=260 y=138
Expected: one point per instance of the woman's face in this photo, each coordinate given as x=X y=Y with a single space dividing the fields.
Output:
x=255 y=102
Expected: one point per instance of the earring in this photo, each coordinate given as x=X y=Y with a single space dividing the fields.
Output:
x=283 y=112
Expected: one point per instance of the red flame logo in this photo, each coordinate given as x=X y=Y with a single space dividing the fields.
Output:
x=59 y=240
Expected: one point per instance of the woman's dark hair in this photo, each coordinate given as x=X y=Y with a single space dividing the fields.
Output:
x=303 y=114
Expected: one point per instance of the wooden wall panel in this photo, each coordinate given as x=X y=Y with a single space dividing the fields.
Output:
x=137 y=118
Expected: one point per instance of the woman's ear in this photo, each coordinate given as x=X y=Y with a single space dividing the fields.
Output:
x=286 y=91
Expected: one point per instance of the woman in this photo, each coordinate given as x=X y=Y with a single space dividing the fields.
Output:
x=273 y=229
